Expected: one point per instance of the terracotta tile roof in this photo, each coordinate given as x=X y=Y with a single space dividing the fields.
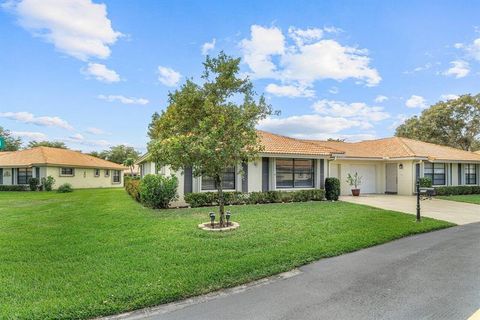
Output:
x=396 y=147
x=277 y=144
x=55 y=157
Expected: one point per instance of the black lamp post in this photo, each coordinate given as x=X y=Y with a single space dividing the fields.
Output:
x=212 y=219
x=418 y=200
x=227 y=215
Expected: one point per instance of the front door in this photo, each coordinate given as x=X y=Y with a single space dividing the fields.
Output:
x=392 y=178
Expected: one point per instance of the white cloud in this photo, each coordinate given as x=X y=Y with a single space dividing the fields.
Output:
x=289 y=91
x=416 y=102
x=77 y=136
x=96 y=131
x=380 y=99
x=308 y=59
x=123 y=99
x=27 y=117
x=80 y=140
x=472 y=49
x=356 y=110
x=101 y=73
x=426 y=66
x=449 y=96
x=79 y=28
x=459 y=69
x=308 y=126
x=208 y=46
x=334 y=90
x=302 y=36
x=168 y=76
x=30 y=135
x=258 y=51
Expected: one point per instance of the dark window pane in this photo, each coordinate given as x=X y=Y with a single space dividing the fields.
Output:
x=228 y=181
x=208 y=183
x=23 y=175
x=303 y=173
x=284 y=174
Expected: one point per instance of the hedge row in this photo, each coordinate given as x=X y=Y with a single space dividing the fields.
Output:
x=132 y=186
x=457 y=190
x=14 y=188
x=203 y=199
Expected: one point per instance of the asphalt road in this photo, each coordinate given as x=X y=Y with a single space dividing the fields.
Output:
x=429 y=276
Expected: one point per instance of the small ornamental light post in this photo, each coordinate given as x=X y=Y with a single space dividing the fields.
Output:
x=227 y=215
x=418 y=200
x=212 y=219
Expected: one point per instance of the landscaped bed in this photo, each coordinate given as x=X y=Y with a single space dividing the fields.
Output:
x=470 y=198
x=98 y=252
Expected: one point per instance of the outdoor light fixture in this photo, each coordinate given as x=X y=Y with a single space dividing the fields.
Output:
x=228 y=214
x=400 y=166
x=212 y=219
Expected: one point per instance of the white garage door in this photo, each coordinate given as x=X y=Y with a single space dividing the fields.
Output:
x=367 y=172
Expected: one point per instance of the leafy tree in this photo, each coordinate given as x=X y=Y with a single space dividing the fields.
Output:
x=210 y=126
x=97 y=154
x=454 y=123
x=118 y=154
x=51 y=144
x=11 y=143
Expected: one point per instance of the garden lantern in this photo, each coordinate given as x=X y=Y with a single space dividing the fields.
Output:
x=212 y=219
x=227 y=215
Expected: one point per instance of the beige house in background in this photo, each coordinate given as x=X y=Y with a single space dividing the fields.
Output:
x=66 y=166
x=388 y=166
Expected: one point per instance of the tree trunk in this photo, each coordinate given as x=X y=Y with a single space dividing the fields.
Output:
x=221 y=200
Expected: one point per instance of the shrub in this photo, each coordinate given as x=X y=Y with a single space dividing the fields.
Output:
x=157 y=191
x=457 y=190
x=13 y=188
x=33 y=184
x=425 y=182
x=332 y=188
x=65 y=188
x=132 y=186
x=203 y=199
x=47 y=183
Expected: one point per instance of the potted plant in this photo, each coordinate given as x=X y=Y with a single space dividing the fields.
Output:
x=354 y=181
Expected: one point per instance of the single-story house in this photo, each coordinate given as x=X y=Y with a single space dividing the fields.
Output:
x=78 y=169
x=387 y=166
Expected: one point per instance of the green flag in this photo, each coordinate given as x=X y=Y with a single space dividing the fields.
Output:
x=2 y=143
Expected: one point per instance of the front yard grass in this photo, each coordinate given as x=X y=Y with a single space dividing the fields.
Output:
x=97 y=252
x=471 y=198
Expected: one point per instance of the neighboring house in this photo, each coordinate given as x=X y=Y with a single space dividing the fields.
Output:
x=74 y=167
x=128 y=171
x=390 y=165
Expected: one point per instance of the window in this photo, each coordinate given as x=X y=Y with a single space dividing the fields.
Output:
x=23 y=175
x=66 y=172
x=107 y=173
x=97 y=172
x=116 y=176
x=470 y=174
x=294 y=173
x=436 y=172
x=228 y=181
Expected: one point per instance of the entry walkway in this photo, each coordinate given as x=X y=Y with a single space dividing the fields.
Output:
x=457 y=212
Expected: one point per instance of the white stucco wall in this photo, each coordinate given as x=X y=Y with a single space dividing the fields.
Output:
x=255 y=175
x=84 y=178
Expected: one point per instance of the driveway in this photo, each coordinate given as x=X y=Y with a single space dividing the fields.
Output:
x=428 y=276
x=452 y=211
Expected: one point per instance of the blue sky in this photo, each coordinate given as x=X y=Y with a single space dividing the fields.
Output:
x=91 y=73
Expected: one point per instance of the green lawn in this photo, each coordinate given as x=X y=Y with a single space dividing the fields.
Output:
x=97 y=252
x=471 y=198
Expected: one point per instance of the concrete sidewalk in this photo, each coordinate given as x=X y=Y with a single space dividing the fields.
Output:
x=457 y=212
